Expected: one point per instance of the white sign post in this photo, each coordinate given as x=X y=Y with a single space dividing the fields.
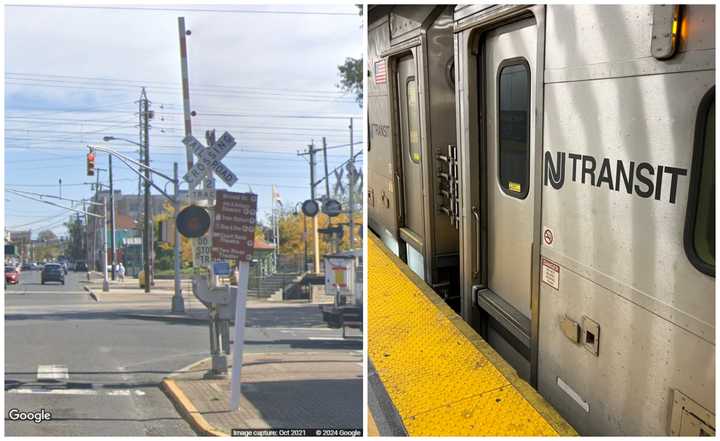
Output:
x=233 y=238
x=243 y=276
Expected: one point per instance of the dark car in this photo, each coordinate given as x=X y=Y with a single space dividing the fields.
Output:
x=27 y=266
x=52 y=272
x=12 y=275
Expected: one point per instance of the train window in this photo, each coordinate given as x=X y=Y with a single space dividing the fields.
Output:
x=514 y=127
x=413 y=119
x=700 y=220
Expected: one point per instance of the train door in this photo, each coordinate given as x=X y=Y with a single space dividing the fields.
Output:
x=410 y=152
x=507 y=73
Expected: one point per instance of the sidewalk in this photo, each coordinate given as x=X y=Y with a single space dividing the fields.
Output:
x=308 y=390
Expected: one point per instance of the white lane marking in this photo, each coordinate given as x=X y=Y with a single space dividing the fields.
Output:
x=52 y=372
x=325 y=338
x=54 y=391
x=124 y=393
x=114 y=393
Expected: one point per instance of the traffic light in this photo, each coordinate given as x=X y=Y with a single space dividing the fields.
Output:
x=91 y=164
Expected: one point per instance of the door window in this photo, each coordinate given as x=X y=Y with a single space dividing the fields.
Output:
x=514 y=127
x=700 y=221
x=413 y=119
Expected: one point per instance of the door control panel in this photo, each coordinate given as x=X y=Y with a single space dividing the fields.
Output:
x=590 y=337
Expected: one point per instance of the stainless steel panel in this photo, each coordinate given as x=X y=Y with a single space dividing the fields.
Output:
x=441 y=124
x=628 y=387
x=407 y=20
x=510 y=220
x=580 y=35
x=382 y=215
x=632 y=240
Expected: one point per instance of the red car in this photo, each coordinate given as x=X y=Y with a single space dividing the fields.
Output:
x=12 y=275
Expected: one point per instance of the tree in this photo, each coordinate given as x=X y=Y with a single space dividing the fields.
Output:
x=291 y=232
x=164 y=251
x=74 y=245
x=46 y=235
x=351 y=77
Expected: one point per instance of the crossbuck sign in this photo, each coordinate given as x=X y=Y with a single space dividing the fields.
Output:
x=209 y=159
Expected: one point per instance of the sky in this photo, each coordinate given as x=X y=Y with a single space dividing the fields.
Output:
x=74 y=75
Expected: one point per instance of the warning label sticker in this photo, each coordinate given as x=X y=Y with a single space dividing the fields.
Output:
x=551 y=273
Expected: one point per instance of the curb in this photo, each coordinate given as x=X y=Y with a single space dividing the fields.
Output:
x=91 y=293
x=162 y=318
x=188 y=410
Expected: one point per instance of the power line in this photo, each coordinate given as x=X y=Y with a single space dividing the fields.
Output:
x=73 y=79
x=64 y=184
x=231 y=11
x=173 y=92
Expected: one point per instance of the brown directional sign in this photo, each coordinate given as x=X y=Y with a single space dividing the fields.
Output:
x=233 y=233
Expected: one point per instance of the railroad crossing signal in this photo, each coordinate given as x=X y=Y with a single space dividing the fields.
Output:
x=209 y=160
x=193 y=221
x=91 y=164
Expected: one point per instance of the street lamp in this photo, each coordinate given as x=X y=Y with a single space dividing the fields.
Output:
x=177 y=304
x=147 y=243
x=113 y=138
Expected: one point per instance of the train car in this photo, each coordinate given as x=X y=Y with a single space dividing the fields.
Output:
x=585 y=153
x=412 y=186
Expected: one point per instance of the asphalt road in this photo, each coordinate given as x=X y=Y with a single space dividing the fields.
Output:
x=107 y=368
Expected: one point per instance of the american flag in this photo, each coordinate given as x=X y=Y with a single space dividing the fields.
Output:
x=380 y=72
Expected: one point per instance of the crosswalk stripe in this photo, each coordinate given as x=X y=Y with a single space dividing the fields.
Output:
x=54 y=391
x=52 y=372
x=86 y=392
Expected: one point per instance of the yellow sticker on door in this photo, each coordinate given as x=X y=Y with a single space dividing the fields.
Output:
x=514 y=186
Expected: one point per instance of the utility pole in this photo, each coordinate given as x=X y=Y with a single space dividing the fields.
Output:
x=146 y=157
x=316 y=240
x=352 y=188
x=141 y=142
x=327 y=181
x=112 y=219
x=316 y=237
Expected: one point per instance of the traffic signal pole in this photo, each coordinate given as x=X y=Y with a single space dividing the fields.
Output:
x=112 y=219
x=106 y=283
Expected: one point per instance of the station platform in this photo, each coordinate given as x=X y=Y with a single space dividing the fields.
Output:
x=431 y=374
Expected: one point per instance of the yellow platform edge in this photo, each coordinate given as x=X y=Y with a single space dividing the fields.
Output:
x=538 y=403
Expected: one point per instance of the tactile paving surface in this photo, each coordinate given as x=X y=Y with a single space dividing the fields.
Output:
x=438 y=381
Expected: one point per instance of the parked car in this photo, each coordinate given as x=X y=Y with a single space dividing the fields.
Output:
x=52 y=272
x=27 y=266
x=12 y=276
